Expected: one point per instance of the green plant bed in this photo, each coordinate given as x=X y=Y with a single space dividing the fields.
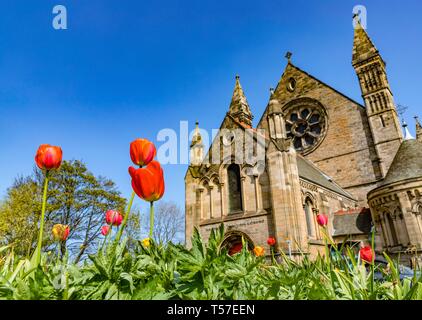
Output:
x=202 y=272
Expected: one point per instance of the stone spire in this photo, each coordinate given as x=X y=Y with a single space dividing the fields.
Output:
x=418 y=129
x=196 y=147
x=363 y=47
x=239 y=107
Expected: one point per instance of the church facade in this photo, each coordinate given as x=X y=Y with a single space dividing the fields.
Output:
x=322 y=153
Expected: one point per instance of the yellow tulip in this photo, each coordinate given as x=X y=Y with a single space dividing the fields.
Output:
x=146 y=242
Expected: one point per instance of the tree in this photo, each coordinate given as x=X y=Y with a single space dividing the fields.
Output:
x=169 y=223
x=76 y=198
x=19 y=215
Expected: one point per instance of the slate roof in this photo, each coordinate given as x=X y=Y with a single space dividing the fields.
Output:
x=407 y=163
x=308 y=171
x=352 y=222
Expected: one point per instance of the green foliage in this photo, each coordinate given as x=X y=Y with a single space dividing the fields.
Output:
x=19 y=216
x=204 y=271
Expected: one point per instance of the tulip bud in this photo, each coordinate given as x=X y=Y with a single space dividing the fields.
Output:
x=322 y=219
x=142 y=152
x=60 y=232
x=105 y=230
x=366 y=254
x=114 y=218
x=258 y=251
x=271 y=241
x=48 y=157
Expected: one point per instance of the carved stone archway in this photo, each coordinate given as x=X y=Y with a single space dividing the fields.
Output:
x=233 y=242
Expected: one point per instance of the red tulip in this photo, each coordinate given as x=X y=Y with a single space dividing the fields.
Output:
x=142 y=152
x=148 y=182
x=271 y=241
x=366 y=254
x=114 y=217
x=48 y=157
x=105 y=230
x=322 y=219
x=60 y=232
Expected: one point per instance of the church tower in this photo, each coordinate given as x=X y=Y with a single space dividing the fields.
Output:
x=239 y=107
x=380 y=107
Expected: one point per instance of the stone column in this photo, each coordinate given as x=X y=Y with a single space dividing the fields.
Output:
x=242 y=192
x=401 y=230
x=384 y=235
x=390 y=242
x=201 y=203
x=397 y=227
x=418 y=218
x=222 y=197
x=257 y=194
x=211 y=202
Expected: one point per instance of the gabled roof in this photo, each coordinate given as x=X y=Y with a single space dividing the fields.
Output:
x=407 y=163
x=290 y=65
x=308 y=171
x=326 y=85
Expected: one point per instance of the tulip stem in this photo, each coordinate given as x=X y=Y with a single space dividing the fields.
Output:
x=40 y=237
x=151 y=220
x=373 y=258
x=126 y=217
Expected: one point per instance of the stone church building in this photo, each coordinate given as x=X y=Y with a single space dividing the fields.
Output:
x=323 y=153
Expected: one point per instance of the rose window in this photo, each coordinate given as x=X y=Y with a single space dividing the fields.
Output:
x=305 y=125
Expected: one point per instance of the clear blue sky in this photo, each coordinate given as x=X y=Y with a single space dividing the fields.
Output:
x=127 y=69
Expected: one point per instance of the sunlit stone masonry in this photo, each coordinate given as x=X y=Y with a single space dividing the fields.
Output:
x=323 y=153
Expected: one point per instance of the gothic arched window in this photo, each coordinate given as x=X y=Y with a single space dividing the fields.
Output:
x=235 y=190
x=392 y=230
x=309 y=217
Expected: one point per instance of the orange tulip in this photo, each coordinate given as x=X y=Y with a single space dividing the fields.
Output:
x=142 y=152
x=148 y=182
x=48 y=157
x=259 y=251
x=60 y=232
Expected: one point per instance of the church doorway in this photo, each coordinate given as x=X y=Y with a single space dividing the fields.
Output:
x=233 y=242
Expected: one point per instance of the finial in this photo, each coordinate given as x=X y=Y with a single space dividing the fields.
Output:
x=288 y=55
x=356 y=15
x=196 y=123
x=407 y=134
x=271 y=91
x=237 y=77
